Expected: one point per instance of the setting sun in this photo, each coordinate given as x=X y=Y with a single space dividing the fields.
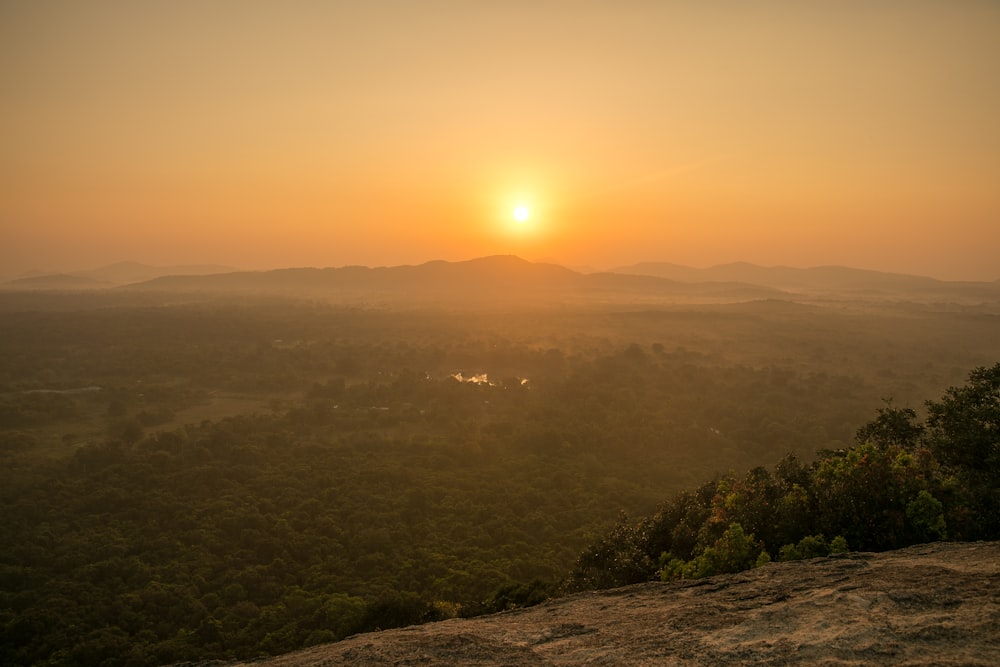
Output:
x=334 y=317
x=178 y=133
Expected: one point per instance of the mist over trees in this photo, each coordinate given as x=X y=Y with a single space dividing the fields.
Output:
x=210 y=478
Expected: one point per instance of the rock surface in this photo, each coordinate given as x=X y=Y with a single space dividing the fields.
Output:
x=936 y=604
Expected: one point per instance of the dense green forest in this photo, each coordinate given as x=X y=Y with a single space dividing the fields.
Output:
x=906 y=481
x=200 y=479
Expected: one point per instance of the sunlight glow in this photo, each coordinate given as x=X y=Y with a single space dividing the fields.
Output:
x=521 y=213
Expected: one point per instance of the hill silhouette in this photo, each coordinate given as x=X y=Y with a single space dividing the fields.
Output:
x=123 y=273
x=495 y=278
x=509 y=279
x=819 y=279
x=55 y=281
x=120 y=273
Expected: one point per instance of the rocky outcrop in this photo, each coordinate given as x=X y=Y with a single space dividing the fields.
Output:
x=936 y=604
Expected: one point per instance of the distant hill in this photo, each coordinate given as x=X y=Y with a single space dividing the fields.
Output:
x=112 y=275
x=54 y=281
x=123 y=273
x=932 y=604
x=507 y=278
x=820 y=279
x=497 y=278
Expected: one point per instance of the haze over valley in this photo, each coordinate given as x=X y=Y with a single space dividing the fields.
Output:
x=238 y=464
x=321 y=319
x=488 y=280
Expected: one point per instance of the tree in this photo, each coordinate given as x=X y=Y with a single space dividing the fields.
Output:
x=965 y=424
x=617 y=560
x=893 y=427
x=964 y=434
x=926 y=514
x=734 y=551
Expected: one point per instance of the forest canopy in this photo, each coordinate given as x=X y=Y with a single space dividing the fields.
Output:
x=221 y=480
x=904 y=482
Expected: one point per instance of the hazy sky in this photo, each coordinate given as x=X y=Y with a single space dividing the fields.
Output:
x=264 y=134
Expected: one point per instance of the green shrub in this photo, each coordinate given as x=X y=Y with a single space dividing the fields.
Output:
x=735 y=551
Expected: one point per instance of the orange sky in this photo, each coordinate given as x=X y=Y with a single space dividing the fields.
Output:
x=266 y=134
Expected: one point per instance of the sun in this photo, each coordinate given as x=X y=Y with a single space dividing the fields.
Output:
x=521 y=217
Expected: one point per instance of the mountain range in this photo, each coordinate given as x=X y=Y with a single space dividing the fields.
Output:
x=497 y=278
x=795 y=279
x=112 y=275
x=510 y=278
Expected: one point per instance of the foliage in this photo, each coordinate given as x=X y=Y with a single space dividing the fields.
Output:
x=619 y=558
x=926 y=513
x=734 y=551
x=513 y=596
x=893 y=427
x=890 y=490
x=964 y=434
x=812 y=546
x=358 y=506
x=366 y=487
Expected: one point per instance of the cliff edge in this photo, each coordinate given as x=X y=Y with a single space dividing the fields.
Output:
x=933 y=604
